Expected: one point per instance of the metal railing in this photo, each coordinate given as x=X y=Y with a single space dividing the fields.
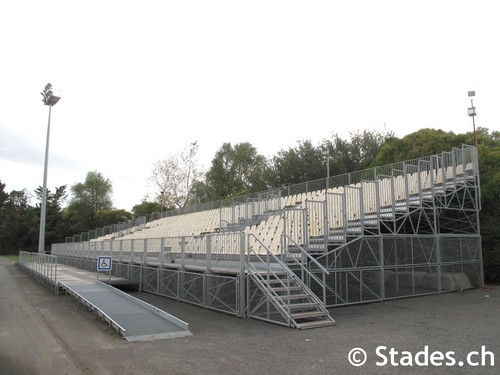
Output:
x=373 y=194
x=41 y=267
x=306 y=264
x=247 y=206
x=266 y=268
x=267 y=306
x=218 y=251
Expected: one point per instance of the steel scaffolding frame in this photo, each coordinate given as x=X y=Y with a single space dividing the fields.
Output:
x=418 y=234
x=410 y=228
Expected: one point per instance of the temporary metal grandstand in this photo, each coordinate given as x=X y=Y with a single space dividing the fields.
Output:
x=286 y=255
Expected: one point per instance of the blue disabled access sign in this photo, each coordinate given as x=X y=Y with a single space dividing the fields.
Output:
x=104 y=263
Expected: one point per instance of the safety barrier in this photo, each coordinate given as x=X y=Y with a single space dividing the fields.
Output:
x=41 y=267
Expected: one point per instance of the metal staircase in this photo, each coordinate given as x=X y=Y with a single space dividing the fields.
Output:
x=278 y=295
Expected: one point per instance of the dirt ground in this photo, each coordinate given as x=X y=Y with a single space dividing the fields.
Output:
x=41 y=333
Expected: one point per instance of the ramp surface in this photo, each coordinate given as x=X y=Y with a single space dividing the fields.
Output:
x=138 y=320
x=134 y=319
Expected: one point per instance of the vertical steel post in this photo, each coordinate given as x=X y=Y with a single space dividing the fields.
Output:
x=41 y=238
x=145 y=253
x=183 y=253
x=209 y=252
x=439 y=250
x=162 y=252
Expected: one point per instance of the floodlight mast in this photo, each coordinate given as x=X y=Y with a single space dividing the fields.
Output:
x=50 y=100
x=472 y=113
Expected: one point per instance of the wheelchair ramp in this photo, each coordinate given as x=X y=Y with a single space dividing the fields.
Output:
x=132 y=318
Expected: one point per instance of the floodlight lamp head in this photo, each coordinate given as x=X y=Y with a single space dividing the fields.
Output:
x=48 y=96
x=471 y=94
x=53 y=100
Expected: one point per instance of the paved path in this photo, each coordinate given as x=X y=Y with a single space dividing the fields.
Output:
x=28 y=345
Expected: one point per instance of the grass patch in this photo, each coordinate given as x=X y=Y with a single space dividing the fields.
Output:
x=12 y=258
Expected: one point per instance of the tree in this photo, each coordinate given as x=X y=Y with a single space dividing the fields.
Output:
x=300 y=164
x=420 y=143
x=201 y=192
x=236 y=171
x=108 y=217
x=146 y=208
x=357 y=153
x=489 y=169
x=18 y=222
x=56 y=227
x=306 y=162
x=174 y=178
x=87 y=199
x=3 y=195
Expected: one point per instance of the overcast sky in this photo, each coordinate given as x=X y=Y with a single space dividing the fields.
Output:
x=141 y=80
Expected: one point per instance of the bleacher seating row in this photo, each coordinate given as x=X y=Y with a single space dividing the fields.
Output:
x=405 y=229
x=345 y=204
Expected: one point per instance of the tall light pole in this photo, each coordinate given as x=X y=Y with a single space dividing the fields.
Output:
x=50 y=100
x=472 y=113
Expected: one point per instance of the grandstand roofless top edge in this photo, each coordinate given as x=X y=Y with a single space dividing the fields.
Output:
x=369 y=174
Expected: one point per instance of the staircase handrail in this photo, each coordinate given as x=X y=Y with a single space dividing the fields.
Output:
x=268 y=254
x=259 y=277
x=284 y=268
x=308 y=256
x=304 y=252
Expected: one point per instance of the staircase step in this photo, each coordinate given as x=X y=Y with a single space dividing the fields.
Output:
x=295 y=296
x=304 y=305
x=316 y=324
x=314 y=252
x=284 y=288
x=309 y=314
x=278 y=281
x=277 y=273
x=264 y=273
x=300 y=306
